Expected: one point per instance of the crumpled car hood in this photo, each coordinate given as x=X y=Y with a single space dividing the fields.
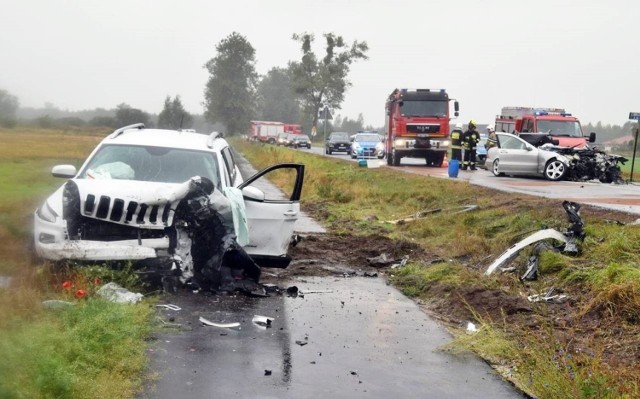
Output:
x=139 y=203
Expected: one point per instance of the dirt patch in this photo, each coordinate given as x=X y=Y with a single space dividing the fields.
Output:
x=329 y=254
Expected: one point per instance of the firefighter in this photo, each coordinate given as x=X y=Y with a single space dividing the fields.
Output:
x=456 y=142
x=470 y=140
x=492 y=139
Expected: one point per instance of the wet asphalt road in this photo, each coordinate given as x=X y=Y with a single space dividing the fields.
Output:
x=361 y=338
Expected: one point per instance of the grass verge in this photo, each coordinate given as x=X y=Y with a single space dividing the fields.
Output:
x=91 y=348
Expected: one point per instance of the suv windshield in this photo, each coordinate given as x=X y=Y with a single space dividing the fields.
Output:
x=147 y=163
x=560 y=128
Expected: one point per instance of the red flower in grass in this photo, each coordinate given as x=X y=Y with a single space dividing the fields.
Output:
x=66 y=285
x=81 y=294
x=97 y=281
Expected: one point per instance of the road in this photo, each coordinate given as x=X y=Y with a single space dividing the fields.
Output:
x=620 y=197
x=346 y=337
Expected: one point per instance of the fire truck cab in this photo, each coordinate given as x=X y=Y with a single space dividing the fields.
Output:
x=417 y=125
x=554 y=123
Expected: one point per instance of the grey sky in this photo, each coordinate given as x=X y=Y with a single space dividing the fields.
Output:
x=580 y=55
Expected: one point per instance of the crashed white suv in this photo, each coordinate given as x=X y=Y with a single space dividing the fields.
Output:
x=173 y=199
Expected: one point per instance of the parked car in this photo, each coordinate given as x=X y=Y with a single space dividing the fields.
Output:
x=337 y=142
x=300 y=140
x=283 y=139
x=170 y=197
x=514 y=156
x=367 y=145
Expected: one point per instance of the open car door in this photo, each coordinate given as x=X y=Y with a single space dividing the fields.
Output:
x=271 y=214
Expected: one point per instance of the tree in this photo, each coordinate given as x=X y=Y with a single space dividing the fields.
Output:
x=230 y=92
x=349 y=125
x=276 y=98
x=324 y=82
x=8 y=106
x=173 y=115
x=125 y=115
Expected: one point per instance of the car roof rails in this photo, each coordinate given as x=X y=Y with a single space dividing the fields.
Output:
x=118 y=132
x=212 y=137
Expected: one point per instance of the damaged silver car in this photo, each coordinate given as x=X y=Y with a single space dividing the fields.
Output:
x=542 y=157
x=173 y=201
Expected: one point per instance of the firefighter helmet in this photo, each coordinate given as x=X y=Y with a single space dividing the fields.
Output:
x=472 y=122
x=490 y=128
x=458 y=126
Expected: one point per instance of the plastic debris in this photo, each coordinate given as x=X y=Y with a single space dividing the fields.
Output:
x=170 y=307
x=267 y=372
x=262 y=321
x=221 y=325
x=402 y=263
x=471 y=328
x=548 y=297
x=117 y=294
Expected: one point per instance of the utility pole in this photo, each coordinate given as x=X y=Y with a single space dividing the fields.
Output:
x=634 y=116
x=325 y=114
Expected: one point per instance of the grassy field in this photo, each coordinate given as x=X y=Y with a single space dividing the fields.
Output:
x=90 y=349
x=587 y=347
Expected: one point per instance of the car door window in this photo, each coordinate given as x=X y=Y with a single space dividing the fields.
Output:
x=511 y=143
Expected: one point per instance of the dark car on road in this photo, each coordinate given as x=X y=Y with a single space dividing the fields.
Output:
x=300 y=140
x=337 y=142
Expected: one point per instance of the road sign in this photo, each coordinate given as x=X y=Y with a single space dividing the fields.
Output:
x=634 y=116
x=313 y=131
x=325 y=114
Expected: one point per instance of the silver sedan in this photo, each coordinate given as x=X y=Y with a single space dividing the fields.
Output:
x=514 y=156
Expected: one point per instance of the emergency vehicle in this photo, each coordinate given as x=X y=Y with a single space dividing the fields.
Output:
x=417 y=125
x=532 y=124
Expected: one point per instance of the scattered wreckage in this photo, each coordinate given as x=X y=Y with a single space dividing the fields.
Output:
x=175 y=204
x=568 y=243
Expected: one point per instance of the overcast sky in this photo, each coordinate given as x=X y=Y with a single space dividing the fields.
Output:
x=583 y=56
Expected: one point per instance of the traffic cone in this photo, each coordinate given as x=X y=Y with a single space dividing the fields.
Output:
x=445 y=162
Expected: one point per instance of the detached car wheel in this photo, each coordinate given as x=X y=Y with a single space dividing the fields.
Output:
x=494 y=168
x=555 y=170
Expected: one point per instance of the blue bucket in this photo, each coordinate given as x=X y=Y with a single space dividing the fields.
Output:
x=454 y=166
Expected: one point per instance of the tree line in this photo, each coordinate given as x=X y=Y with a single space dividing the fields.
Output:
x=234 y=93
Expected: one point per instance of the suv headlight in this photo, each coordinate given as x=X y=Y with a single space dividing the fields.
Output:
x=46 y=213
x=379 y=147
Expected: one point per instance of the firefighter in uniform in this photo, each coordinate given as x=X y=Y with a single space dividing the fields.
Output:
x=492 y=139
x=456 y=142
x=470 y=141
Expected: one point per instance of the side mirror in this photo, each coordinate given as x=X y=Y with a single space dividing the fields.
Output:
x=555 y=141
x=65 y=171
x=253 y=193
x=529 y=148
x=456 y=107
x=456 y=113
x=592 y=137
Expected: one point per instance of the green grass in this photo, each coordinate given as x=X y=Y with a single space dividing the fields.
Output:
x=91 y=349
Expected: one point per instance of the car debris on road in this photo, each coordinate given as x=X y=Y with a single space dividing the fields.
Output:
x=572 y=234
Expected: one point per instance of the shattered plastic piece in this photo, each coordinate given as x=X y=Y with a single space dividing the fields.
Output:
x=370 y=274
x=511 y=253
x=262 y=321
x=402 y=263
x=548 y=297
x=381 y=260
x=170 y=307
x=115 y=293
x=471 y=328
x=56 y=304
x=301 y=343
x=293 y=290
x=221 y=325
x=267 y=372
x=316 y=292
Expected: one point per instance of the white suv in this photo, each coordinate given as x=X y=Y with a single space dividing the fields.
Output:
x=174 y=199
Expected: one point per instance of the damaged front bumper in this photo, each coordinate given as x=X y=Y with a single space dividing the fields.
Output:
x=100 y=250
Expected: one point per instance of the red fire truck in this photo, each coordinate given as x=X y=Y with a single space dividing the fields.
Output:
x=417 y=125
x=266 y=131
x=533 y=123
